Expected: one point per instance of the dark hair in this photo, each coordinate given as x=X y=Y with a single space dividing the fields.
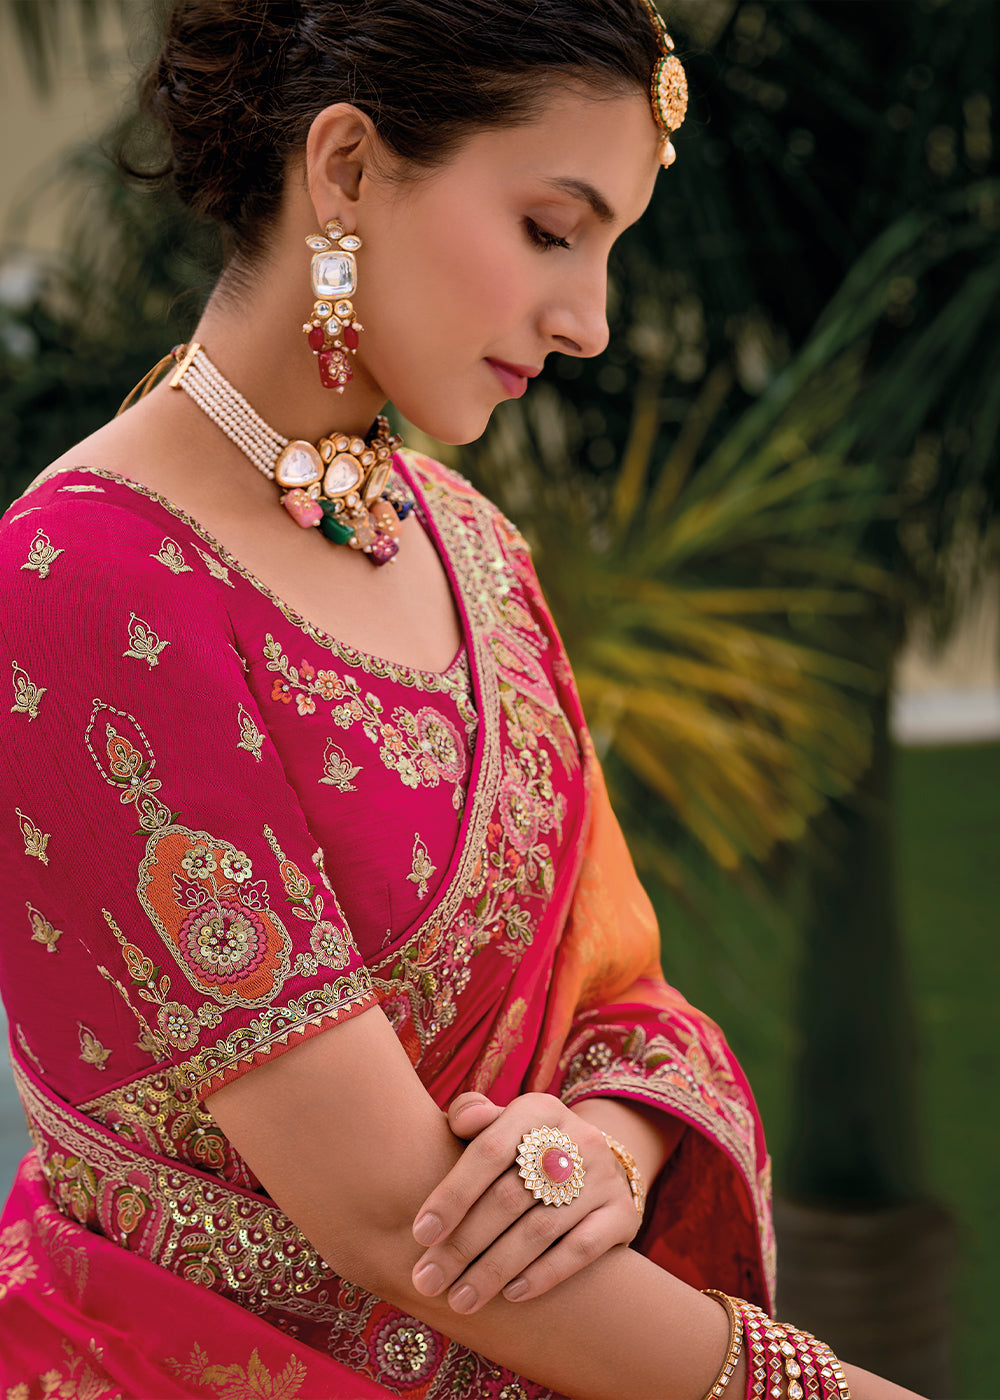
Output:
x=238 y=82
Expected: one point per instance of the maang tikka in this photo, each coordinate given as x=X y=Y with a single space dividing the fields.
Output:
x=332 y=331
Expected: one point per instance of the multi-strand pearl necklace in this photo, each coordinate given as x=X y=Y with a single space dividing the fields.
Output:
x=341 y=485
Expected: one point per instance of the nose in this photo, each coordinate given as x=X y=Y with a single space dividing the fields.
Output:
x=576 y=320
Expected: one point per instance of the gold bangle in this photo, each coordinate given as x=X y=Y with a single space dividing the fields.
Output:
x=735 y=1344
x=636 y=1184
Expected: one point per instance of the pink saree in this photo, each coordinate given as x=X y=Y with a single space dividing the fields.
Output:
x=226 y=831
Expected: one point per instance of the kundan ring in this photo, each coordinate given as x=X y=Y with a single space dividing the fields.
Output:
x=551 y=1166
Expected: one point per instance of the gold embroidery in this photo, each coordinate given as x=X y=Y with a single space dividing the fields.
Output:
x=338 y=769
x=217 y=570
x=422 y=867
x=21 y=516
x=98 y=489
x=128 y=766
x=42 y=930
x=35 y=840
x=27 y=695
x=251 y=738
x=41 y=555
x=507 y=1036
x=26 y=1049
x=144 y=644
x=424 y=748
x=276 y=1025
x=231 y=1382
x=170 y=554
x=92 y=1052
x=330 y=944
x=16 y=1265
x=78 y=1382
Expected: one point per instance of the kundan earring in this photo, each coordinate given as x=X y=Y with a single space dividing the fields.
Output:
x=332 y=330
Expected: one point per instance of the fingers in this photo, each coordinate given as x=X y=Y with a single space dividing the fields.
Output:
x=593 y=1237
x=487 y=1157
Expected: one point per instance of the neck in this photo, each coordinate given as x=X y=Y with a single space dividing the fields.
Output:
x=257 y=342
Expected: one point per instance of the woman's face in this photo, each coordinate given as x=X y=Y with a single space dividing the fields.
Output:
x=486 y=266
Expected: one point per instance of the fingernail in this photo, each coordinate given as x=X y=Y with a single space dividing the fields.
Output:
x=463 y=1299
x=517 y=1288
x=429 y=1279
x=426 y=1229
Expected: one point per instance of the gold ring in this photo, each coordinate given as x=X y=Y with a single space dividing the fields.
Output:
x=551 y=1166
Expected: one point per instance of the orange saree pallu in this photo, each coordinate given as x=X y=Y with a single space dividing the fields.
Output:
x=227 y=831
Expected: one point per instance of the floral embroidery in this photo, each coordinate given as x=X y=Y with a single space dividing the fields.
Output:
x=41 y=555
x=35 y=840
x=177 y=1026
x=92 y=1052
x=214 y=567
x=508 y=1034
x=232 y=1382
x=330 y=946
x=425 y=748
x=144 y=644
x=127 y=764
x=214 y=917
x=251 y=738
x=171 y=554
x=422 y=868
x=26 y=1049
x=212 y=1065
x=42 y=930
x=26 y=694
x=158 y=1113
x=338 y=770
x=405 y=1349
x=16 y=1265
x=78 y=1382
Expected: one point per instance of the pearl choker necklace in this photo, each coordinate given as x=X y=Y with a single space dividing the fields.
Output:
x=341 y=485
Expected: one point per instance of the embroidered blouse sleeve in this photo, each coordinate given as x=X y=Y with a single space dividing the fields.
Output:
x=152 y=837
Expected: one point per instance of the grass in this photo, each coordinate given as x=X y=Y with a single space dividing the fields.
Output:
x=739 y=965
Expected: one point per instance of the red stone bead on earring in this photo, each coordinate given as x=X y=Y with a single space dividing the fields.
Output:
x=332 y=330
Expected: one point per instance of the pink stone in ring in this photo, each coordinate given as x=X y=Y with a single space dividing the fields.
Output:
x=556 y=1165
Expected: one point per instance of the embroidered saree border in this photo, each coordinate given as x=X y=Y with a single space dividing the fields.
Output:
x=203 y=1230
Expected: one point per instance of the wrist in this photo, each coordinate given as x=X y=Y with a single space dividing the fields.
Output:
x=633 y=1175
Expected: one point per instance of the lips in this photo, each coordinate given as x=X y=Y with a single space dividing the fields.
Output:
x=513 y=377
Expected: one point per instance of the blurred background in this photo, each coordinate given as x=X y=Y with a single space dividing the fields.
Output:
x=767 y=523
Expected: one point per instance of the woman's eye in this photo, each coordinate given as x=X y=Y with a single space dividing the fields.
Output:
x=542 y=238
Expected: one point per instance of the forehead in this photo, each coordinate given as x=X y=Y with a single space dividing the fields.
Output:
x=608 y=141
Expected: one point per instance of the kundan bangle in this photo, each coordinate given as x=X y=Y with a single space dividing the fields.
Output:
x=629 y=1165
x=782 y=1362
x=735 y=1345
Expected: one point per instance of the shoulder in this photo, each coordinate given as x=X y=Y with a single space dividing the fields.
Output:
x=90 y=519
x=444 y=488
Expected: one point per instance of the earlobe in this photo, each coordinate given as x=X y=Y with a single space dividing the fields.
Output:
x=338 y=149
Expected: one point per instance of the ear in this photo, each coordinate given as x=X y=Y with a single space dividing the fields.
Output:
x=340 y=149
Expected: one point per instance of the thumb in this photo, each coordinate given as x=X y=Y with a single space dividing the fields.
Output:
x=470 y=1113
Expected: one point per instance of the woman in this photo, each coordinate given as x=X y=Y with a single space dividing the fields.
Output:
x=312 y=877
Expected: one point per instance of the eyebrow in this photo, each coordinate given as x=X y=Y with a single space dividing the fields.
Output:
x=583 y=189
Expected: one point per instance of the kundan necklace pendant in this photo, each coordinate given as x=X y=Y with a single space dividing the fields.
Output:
x=341 y=485
x=332 y=330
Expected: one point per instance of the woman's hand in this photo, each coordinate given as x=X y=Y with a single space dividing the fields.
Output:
x=485 y=1231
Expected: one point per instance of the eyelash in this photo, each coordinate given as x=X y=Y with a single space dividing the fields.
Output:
x=541 y=238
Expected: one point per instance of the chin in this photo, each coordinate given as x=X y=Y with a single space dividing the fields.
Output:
x=447 y=425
